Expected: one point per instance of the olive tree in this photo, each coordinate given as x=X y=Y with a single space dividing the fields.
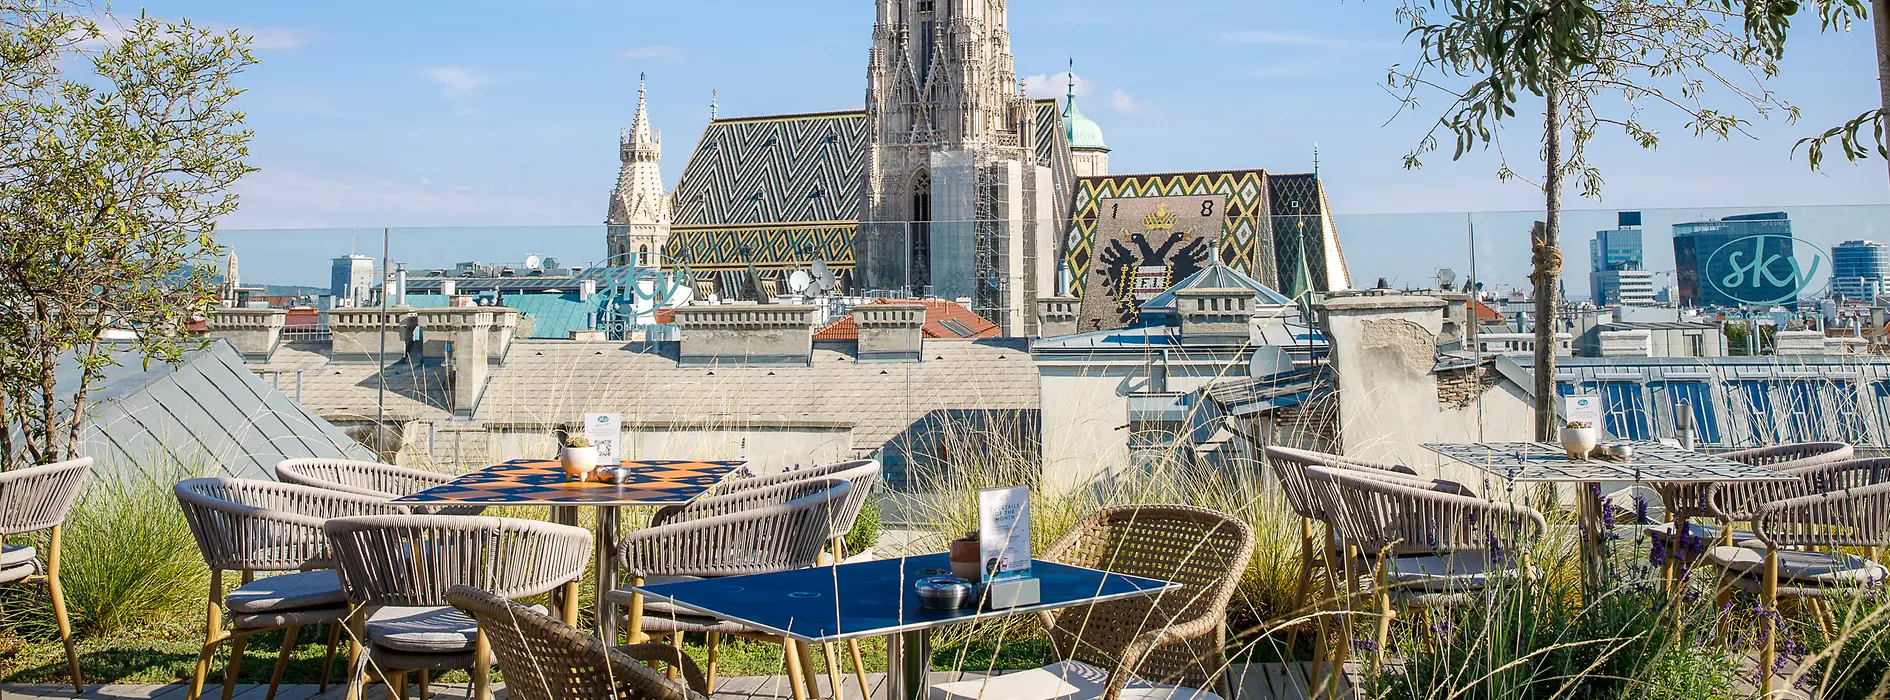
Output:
x=115 y=163
x=1593 y=65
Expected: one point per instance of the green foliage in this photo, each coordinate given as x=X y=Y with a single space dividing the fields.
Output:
x=867 y=528
x=115 y=162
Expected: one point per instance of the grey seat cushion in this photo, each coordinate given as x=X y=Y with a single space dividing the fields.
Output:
x=306 y=589
x=1700 y=531
x=286 y=618
x=18 y=572
x=16 y=554
x=1449 y=571
x=1823 y=568
x=428 y=630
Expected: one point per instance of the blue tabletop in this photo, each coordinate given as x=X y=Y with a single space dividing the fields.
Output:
x=876 y=598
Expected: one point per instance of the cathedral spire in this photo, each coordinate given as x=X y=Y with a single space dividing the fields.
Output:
x=643 y=143
x=714 y=109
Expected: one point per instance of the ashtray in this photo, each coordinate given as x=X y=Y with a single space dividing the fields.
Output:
x=945 y=593
x=613 y=475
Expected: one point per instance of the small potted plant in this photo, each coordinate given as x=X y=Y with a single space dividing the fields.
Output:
x=579 y=458
x=1578 y=439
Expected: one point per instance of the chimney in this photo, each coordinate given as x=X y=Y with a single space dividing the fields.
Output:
x=1634 y=343
x=504 y=329
x=586 y=288
x=460 y=301
x=1798 y=343
x=1057 y=315
x=448 y=288
x=400 y=284
x=773 y=334
x=588 y=336
x=1384 y=348
x=470 y=330
x=890 y=332
x=360 y=333
x=1214 y=316
x=253 y=332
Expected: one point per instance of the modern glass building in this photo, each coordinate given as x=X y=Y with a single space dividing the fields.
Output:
x=1736 y=261
x=1617 y=265
x=1859 y=270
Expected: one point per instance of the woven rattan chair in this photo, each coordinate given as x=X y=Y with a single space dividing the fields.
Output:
x=546 y=659
x=384 y=481
x=1687 y=503
x=776 y=528
x=1836 y=505
x=1168 y=646
x=1473 y=542
x=863 y=475
x=396 y=570
x=250 y=527
x=31 y=500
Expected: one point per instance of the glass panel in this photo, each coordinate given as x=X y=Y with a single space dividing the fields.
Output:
x=1625 y=410
x=1699 y=400
x=1755 y=402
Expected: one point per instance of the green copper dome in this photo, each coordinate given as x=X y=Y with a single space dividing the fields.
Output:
x=1083 y=132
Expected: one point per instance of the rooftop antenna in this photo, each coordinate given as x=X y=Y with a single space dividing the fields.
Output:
x=1315 y=160
x=1071 y=76
x=713 y=109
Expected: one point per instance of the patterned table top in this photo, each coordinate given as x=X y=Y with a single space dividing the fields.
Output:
x=541 y=482
x=1652 y=461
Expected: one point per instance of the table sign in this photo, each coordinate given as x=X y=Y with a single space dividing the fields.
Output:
x=1004 y=547
x=1584 y=408
x=605 y=431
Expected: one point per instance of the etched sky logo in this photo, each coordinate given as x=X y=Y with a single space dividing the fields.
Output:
x=1765 y=268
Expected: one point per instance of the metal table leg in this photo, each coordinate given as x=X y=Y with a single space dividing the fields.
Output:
x=605 y=559
x=908 y=657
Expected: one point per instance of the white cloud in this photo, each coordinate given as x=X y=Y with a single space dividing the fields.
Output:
x=1125 y=103
x=457 y=83
x=1266 y=38
x=1055 y=85
x=658 y=52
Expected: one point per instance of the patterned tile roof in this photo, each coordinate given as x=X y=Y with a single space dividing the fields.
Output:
x=943 y=319
x=550 y=383
x=772 y=170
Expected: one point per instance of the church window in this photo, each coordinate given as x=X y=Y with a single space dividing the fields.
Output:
x=925 y=51
x=643 y=255
x=920 y=233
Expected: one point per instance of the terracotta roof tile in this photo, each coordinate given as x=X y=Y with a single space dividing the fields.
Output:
x=963 y=323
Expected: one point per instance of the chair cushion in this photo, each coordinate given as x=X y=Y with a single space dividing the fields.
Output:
x=425 y=630
x=306 y=589
x=1700 y=531
x=286 y=618
x=16 y=554
x=1827 y=568
x=17 y=573
x=1449 y=571
x=1064 y=680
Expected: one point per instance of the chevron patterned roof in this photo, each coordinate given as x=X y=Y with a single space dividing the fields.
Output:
x=795 y=168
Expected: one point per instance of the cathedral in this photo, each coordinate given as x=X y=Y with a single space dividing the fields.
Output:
x=952 y=183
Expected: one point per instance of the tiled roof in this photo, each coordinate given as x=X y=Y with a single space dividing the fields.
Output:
x=943 y=319
x=791 y=168
x=550 y=383
x=350 y=391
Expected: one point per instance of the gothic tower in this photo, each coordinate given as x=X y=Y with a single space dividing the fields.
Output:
x=954 y=188
x=638 y=223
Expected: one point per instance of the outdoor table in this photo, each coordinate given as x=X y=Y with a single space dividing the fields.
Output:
x=876 y=598
x=541 y=482
x=1545 y=462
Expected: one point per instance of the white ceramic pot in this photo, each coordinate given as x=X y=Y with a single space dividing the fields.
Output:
x=578 y=462
x=1579 y=442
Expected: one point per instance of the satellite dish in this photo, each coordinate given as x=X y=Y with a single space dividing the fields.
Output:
x=533 y=262
x=799 y=282
x=823 y=277
x=1267 y=361
x=1446 y=277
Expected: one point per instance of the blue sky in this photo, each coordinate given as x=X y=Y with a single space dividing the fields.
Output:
x=478 y=114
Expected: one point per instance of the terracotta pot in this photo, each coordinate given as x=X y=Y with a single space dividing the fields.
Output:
x=1579 y=442
x=578 y=462
x=965 y=557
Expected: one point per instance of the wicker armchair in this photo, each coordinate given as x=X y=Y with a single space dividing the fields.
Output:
x=397 y=569
x=1853 y=511
x=34 y=499
x=1471 y=541
x=782 y=527
x=1688 y=502
x=1147 y=645
x=546 y=659
x=250 y=527
x=384 y=481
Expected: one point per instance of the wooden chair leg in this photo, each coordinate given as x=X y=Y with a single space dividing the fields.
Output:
x=1304 y=587
x=806 y=651
x=282 y=660
x=571 y=603
x=397 y=686
x=357 y=674
x=58 y=593
x=859 y=670
x=675 y=642
x=236 y=665
x=1382 y=597
x=424 y=682
x=794 y=670
x=203 y=669
x=328 y=661
x=482 y=667
x=1768 y=600
x=635 y=627
x=715 y=640
x=833 y=669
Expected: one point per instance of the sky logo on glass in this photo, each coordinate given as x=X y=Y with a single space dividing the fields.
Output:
x=1764 y=268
